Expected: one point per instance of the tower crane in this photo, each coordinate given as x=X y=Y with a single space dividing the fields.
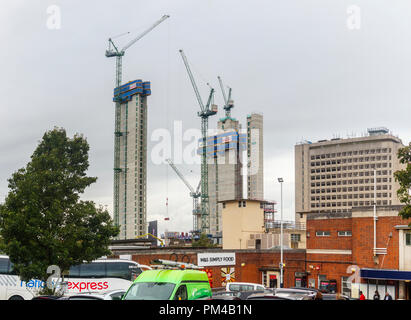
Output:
x=228 y=103
x=195 y=194
x=205 y=112
x=113 y=51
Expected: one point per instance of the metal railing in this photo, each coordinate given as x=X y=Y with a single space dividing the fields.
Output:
x=287 y=225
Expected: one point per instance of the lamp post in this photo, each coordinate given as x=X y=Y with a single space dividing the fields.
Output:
x=280 y=180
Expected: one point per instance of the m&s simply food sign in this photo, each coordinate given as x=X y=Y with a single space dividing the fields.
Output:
x=216 y=259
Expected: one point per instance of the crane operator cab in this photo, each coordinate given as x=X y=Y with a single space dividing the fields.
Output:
x=178 y=283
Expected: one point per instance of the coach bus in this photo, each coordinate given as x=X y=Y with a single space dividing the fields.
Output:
x=98 y=276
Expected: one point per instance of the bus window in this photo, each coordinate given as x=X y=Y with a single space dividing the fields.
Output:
x=4 y=265
x=74 y=271
x=93 y=270
x=120 y=270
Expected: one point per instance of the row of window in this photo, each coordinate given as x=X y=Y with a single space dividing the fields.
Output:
x=351 y=196
x=350 y=168
x=351 y=153
x=346 y=189
x=349 y=160
x=350 y=204
x=351 y=174
x=349 y=189
x=345 y=233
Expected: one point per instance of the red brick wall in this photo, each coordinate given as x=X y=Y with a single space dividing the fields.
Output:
x=334 y=266
x=363 y=241
x=360 y=243
x=333 y=241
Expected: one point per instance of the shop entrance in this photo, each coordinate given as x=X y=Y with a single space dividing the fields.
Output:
x=271 y=279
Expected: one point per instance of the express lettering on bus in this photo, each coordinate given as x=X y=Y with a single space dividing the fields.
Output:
x=82 y=285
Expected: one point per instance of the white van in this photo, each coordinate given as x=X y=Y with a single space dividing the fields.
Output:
x=243 y=286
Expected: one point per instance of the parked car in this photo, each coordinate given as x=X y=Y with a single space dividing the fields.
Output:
x=334 y=296
x=169 y=284
x=46 y=298
x=297 y=294
x=226 y=294
x=110 y=295
x=314 y=291
x=266 y=296
x=243 y=286
x=307 y=289
x=224 y=297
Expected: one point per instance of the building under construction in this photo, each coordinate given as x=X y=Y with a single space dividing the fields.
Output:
x=224 y=161
x=225 y=165
x=131 y=158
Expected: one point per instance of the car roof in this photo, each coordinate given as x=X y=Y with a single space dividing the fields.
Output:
x=98 y=294
x=268 y=295
x=172 y=276
x=291 y=290
x=248 y=283
x=305 y=289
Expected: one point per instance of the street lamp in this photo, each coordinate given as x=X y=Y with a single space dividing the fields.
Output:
x=281 y=180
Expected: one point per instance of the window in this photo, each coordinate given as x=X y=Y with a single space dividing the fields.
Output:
x=154 y=290
x=4 y=265
x=93 y=270
x=344 y=233
x=345 y=286
x=408 y=239
x=295 y=237
x=322 y=233
x=321 y=278
x=241 y=287
x=181 y=293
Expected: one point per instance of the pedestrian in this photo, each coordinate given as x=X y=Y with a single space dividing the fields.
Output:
x=376 y=295
x=362 y=297
x=387 y=296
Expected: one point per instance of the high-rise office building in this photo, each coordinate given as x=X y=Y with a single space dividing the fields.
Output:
x=255 y=154
x=338 y=174
x=130 y=194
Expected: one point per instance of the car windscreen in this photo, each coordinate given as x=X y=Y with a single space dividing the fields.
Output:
x=150 y=291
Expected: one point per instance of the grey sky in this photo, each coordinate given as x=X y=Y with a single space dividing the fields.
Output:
x=294 y=61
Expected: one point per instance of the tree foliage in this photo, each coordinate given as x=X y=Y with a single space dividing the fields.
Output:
x=203 y=241
x=404 y=179
x=43 y=222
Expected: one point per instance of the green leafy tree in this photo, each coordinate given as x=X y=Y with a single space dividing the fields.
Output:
x=404 y=179
x=204 y=241
x=43 y=222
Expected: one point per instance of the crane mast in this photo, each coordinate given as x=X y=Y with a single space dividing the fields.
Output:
x=113 y=51
x=228 y=103
x=195 y=194
x=204 y=113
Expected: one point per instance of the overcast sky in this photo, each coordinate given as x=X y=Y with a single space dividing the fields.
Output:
x=298 y=62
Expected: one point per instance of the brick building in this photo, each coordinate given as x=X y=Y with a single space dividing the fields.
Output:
x=340 y=245
x=256 y=266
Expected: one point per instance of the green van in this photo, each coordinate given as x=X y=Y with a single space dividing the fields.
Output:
x=166 y=284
